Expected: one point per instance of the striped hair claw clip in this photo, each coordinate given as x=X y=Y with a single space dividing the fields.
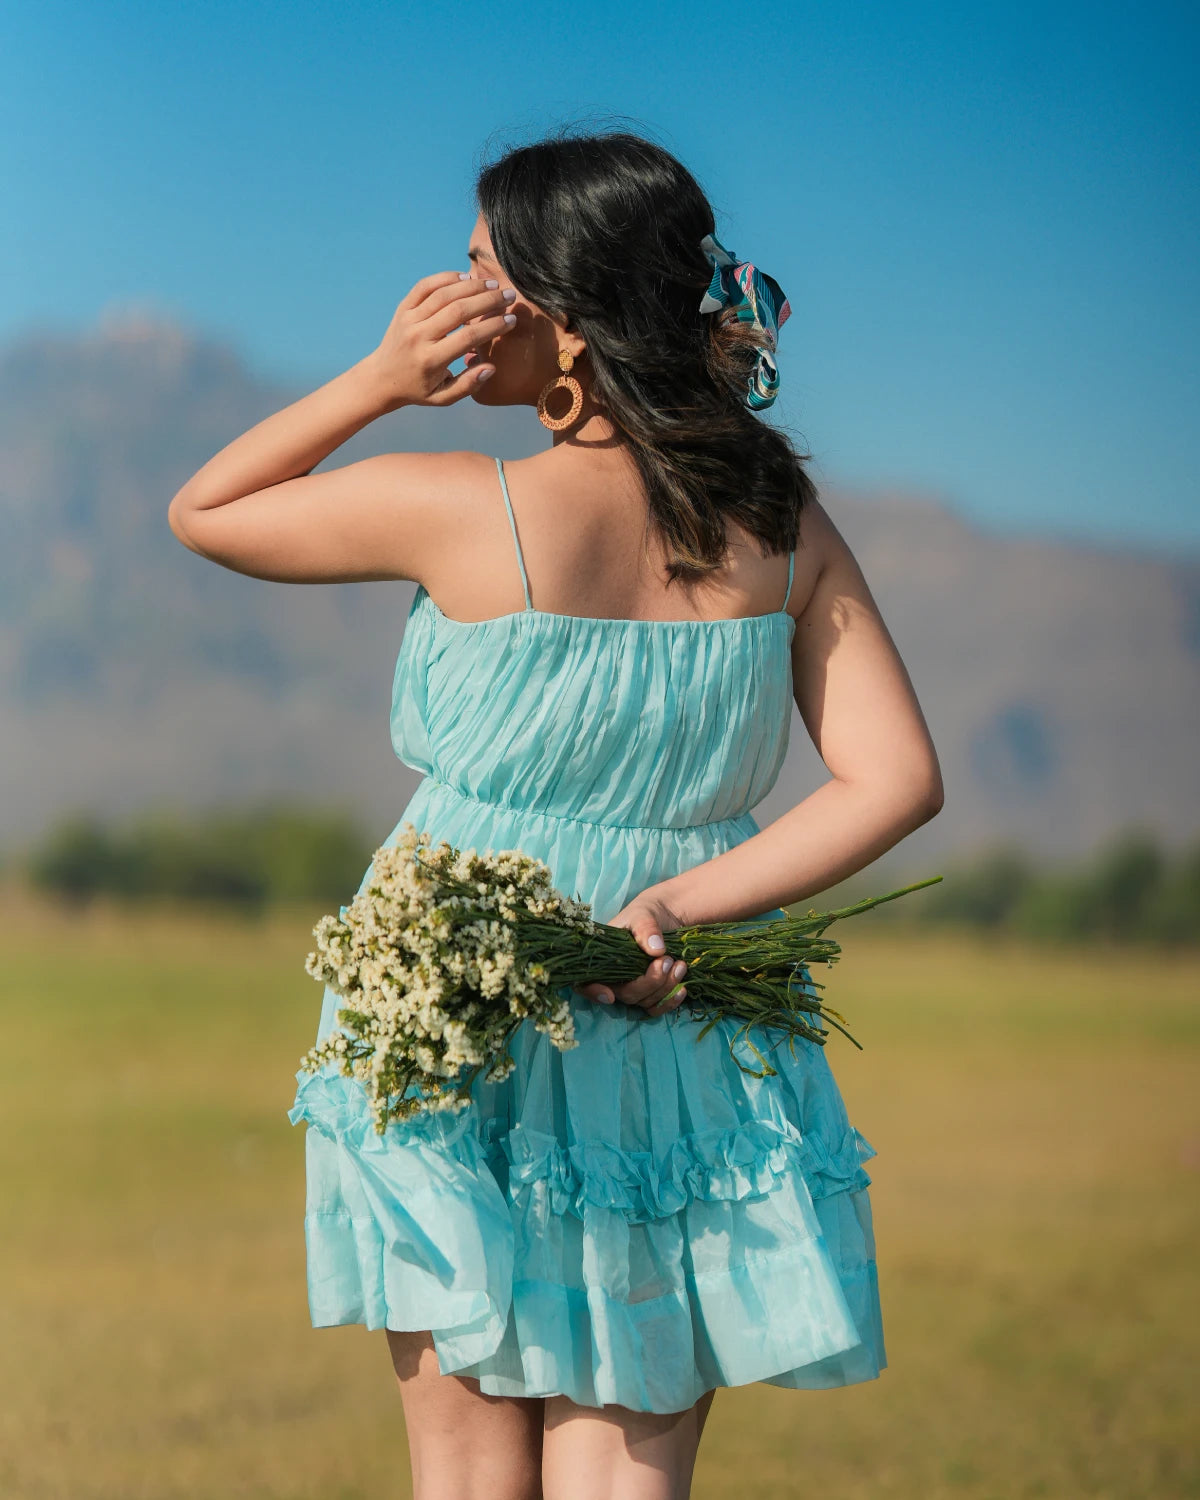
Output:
x=757 y=299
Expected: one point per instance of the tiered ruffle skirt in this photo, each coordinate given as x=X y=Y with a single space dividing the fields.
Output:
x=634 y=1221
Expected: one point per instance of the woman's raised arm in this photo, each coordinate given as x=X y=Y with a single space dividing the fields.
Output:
x=257 y=508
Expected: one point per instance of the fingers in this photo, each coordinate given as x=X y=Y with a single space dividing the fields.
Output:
x=478 y=333
x=455 y=302
x=429 y=284
x=672 y=1000
x=468 y=317
x=660 y=983
x=660 y=988
x=648 y=933
x=598 y=992
x=454 y=387
x=659 y=979
x=443 y=317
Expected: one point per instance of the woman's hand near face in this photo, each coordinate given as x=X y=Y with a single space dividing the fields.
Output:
x=659 y=989
x=440 y=319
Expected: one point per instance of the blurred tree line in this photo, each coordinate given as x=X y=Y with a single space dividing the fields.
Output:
x=1131 y=890
x=246 y=858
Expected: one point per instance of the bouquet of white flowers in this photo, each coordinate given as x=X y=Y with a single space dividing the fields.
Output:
x=447 y=951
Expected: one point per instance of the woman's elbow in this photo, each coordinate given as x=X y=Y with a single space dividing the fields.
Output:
x=177 y=521
x=930 y=794
x=916 y=794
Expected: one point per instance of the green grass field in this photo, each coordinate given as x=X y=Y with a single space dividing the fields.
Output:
x=1037 y=1119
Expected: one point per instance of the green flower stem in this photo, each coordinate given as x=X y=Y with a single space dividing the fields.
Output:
x=744 y=971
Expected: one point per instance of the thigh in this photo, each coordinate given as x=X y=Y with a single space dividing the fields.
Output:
x=612 y=1453
x=464 y=1445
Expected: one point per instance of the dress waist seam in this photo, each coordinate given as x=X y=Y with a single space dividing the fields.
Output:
x=531 y=812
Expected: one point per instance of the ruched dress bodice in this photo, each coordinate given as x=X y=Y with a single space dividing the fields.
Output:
x=636 y=1220
x=638 y=723
x=652 y=740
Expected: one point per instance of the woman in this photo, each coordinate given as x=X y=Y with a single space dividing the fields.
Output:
x=598 y=667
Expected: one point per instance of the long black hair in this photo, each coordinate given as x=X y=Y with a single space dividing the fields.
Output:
x=603 y=230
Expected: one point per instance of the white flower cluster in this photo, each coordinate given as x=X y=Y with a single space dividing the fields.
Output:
x=427 y=957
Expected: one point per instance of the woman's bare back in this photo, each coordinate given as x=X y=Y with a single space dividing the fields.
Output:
x=584 y=531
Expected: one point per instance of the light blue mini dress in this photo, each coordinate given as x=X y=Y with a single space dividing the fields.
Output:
x=635 y=1221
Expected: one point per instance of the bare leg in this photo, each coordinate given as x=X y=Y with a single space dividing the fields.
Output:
x=464 y=1445
x=611 y=1453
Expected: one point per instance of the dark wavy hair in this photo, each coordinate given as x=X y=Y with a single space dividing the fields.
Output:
x=604 y=230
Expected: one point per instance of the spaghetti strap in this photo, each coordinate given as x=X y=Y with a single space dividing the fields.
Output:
x=516 y=540
x=791 y=571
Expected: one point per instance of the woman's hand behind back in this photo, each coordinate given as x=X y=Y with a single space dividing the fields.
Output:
x=659 y=989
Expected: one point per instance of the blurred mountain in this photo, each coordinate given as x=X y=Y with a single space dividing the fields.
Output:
x=1059 y=680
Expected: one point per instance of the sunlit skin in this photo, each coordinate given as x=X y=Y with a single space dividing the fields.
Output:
x=437 y=519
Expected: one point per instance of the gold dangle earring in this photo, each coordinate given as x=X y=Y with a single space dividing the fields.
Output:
x=564 y=382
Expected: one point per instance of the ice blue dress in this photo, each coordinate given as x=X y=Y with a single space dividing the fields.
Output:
x=635 y=1221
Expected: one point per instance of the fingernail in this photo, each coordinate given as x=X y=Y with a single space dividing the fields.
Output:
x=666 y=965
x=485 y=374
x=605 y=998
x=508 y=294
x=492 y=284
x=680 y=970
x=510 y=318
x=656 y=942
x=464 y=276
x=670 y=995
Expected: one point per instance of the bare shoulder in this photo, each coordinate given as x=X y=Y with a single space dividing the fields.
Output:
x=837 y=618
x=465 y=557
x=436 y=499
x=852 y=688
x=822 y=552
x=435 y=480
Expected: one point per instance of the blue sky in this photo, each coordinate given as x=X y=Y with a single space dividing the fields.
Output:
x=985 y=217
